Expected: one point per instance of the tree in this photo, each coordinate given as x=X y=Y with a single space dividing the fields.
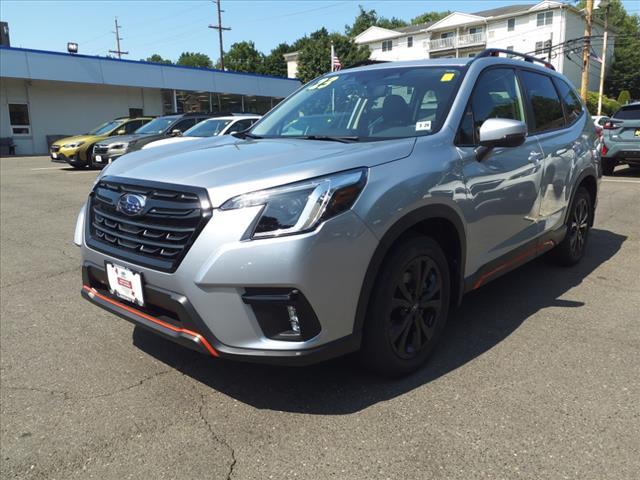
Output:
x=192 y=59
x=369 y=18
x=274 y=63
x=624 y=97
x=429 y=17
x=243 y=57
x=155 y=58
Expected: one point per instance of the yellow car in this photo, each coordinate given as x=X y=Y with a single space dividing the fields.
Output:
x=78 y=150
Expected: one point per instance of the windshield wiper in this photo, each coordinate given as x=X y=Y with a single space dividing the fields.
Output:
x=245 y=134
x=329 y=138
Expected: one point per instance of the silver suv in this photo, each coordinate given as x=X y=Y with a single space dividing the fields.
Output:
x=354 y=216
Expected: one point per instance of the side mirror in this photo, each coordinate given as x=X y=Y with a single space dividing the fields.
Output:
x=122 y=131
x=176 y=133
x=500 y=132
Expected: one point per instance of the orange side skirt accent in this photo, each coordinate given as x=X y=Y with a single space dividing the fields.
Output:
x=519 y=258
x=196 y=336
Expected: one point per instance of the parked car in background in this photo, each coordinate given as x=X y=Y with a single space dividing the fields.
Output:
x=222 y=125
x=354 y=216
x=162 y=127
x=599 y=120
x=77 y=151
x=621 y=138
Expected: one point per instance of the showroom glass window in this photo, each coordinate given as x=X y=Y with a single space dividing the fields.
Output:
x=19 y=119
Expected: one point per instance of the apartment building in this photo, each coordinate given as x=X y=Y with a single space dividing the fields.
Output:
x=531 y=28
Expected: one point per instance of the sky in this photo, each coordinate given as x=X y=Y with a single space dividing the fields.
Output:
x=172 y=27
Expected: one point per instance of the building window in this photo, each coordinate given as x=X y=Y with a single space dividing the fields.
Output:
x=135 y=112
x=545 y=18
x=474 y=30
x=510 y=47
x=447 y=35
x=387 y=45
x=539 y=48
x=19 y=119
x=511 y=25
x=409 y=42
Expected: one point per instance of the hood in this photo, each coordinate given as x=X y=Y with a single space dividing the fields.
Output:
x=77 y=138
x=123 y=138
x=227 y=166
x=168 y=141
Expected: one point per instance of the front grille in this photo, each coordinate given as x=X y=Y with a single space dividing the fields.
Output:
x=55 y=148
x=160 y=236
x=100 y=149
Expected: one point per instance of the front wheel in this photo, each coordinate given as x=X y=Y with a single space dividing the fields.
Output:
x=571 y=250
x=409 y=308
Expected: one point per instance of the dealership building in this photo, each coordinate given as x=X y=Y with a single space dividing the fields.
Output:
x=45 y=95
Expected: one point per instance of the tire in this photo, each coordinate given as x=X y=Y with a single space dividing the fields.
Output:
x=89 y=155
x=608 y=165
x=400 y=332
x=571 y=250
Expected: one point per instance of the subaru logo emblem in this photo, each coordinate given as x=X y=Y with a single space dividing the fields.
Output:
x=131 y=204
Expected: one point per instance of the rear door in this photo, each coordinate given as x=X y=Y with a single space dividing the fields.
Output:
x=503 y=188
x=560 y=142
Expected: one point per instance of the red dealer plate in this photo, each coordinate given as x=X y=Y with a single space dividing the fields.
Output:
x=125 y=284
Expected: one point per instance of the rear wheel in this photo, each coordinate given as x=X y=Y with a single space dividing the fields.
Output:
x=409 y=308
x=608 y=165
x=572 y=248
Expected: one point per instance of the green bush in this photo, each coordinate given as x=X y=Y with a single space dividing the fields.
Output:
x=624 y=97
x=609 y=105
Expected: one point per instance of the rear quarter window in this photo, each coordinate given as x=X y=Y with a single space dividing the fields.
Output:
x=570 y=100
x=544 y=102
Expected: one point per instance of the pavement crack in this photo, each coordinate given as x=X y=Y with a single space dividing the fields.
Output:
x=218 y=439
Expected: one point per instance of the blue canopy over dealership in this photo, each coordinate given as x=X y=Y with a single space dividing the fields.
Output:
x=46 y=94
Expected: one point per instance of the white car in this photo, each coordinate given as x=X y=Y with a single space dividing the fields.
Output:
x=599 y=120
x=210 y=128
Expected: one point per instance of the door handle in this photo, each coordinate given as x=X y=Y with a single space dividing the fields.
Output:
x=535 y=157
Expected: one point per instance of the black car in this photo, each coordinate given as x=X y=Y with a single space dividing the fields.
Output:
x=109 y=149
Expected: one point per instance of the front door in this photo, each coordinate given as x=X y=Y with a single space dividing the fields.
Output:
x=502 y=189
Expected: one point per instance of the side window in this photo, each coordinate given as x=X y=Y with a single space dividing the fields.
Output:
x=571 y=102
x=132 y=126
x=496 y=95
x=183 y=125
x=545 y=104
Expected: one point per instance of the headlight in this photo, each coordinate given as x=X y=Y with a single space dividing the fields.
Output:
x=118 y=146
x=72 y=145
x=301 y=207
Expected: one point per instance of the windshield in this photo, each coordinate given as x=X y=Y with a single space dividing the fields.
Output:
x=628 y=113
x=208 y=128
x=105 y=128
x=367 y=105
x=159 y=125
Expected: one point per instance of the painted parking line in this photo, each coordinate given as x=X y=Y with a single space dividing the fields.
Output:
x=620 y=180
x=50 y=168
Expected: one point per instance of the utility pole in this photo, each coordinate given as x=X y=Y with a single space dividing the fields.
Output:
x=604 y=54
x=586 y=50
x=117 y=51
x=220 y=28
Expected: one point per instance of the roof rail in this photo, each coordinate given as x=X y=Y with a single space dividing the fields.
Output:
x=495 y=52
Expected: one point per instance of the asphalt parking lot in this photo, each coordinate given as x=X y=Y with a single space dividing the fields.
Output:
x=538 y=374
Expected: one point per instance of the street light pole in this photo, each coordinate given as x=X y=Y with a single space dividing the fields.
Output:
x=604 y=57
x=586 y=50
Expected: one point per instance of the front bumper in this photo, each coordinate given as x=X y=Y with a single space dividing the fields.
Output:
x=103 y=158
x=67 y=155
x=206 y=291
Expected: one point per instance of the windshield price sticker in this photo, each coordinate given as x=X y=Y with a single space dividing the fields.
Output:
x=447 y=77
x=323 y=83
x=425 y=125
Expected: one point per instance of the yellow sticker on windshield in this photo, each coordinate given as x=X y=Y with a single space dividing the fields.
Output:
x=323 y=83
x=447 y=77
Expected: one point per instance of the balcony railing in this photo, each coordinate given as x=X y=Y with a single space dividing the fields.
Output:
x=457 y=42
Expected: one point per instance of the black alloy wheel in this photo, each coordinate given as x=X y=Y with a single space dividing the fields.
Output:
x=579 y=221
x=415 y=307
x=408 y=308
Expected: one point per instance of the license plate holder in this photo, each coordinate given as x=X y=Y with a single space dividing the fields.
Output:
x=125 y=283
x=99 y=158
x=54 y=155
x=637 y=132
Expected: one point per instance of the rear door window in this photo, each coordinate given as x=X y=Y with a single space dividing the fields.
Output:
x=570 y=100
x=496 y=95
x=184 y=125
x=544 y=102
